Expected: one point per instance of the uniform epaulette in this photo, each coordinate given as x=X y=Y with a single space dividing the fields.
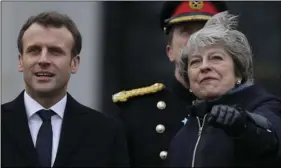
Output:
x=123 y=96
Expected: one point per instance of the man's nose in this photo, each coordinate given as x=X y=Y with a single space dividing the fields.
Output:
x=44 y=59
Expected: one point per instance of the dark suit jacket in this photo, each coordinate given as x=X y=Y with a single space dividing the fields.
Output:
x=88 y=137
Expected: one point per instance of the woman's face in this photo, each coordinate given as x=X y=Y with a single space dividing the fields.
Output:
x=211 y=72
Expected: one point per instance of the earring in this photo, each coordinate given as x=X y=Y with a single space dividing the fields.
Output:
x=190 y=90
x=238 y=82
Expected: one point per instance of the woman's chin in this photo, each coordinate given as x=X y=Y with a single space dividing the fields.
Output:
x=209 y=94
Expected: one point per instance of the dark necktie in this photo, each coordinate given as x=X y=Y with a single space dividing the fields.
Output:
x=44 y=141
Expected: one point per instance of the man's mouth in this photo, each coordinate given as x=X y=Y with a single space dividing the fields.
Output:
x=44 y=74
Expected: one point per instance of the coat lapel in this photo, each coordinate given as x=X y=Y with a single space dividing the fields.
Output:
x=16 y=123
x=72 y=130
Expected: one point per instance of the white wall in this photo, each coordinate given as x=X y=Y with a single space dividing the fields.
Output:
x=84 y=85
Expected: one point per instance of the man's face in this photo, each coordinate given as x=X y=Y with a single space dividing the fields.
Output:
x=46 y=59
x=181 y=34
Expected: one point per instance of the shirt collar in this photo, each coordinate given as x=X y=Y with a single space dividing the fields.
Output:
x=32 y=106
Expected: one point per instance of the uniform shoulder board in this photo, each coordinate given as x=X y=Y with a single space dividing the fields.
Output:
x=123 y=96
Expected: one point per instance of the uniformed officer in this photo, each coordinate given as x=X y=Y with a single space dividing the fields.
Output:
x=152 y=115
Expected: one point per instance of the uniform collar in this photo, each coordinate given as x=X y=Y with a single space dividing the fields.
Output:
x=180 y=91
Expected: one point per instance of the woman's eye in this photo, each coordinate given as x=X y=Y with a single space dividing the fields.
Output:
x=217 y=57
x=194 y=62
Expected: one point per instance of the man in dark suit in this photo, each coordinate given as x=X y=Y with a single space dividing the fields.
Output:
x=152 y=115
x=44 y=126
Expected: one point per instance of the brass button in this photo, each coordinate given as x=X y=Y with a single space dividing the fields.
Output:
x=160 y=128
x=163 y=155
x=161 y=105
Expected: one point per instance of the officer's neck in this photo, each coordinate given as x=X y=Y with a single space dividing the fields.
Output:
x=180 y=79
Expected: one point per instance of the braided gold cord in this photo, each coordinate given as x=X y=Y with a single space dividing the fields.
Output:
x=123 y=96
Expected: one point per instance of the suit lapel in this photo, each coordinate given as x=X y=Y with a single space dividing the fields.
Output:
x=72 y=130
x=16 y=123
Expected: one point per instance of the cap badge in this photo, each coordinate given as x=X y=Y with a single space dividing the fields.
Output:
x=196 y=4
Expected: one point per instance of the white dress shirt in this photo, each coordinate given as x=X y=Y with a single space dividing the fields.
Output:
x=34 y=121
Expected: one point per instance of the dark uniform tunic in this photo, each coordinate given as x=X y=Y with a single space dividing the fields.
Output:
x=152 y=120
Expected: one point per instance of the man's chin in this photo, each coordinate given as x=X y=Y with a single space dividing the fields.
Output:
x=45 y=91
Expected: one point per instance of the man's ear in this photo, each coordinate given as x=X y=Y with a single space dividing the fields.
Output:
x=169 y=52
x=20 y=63
x=75 y=62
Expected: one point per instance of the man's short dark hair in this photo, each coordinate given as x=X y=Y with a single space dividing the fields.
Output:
x=53 y=19
x=174 y=26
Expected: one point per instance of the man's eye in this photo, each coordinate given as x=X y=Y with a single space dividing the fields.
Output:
x=55 y=51
x=34 y=50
